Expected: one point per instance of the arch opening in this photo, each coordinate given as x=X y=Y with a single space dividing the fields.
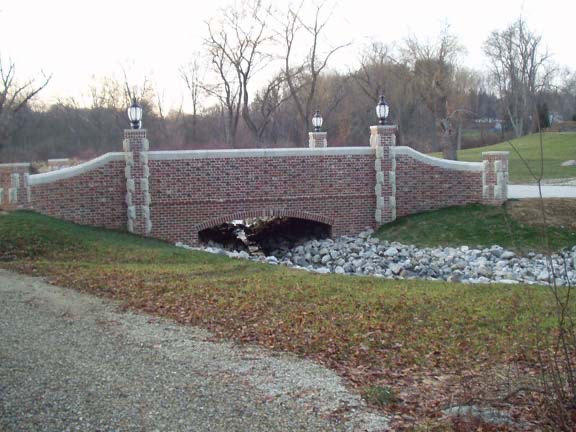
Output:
x=270 y=236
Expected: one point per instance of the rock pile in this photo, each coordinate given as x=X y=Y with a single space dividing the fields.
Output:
x=369 y=256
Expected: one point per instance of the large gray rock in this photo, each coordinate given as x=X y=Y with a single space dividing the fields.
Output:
x=569 y=163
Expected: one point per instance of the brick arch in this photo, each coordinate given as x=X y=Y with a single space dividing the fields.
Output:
x=264 y=213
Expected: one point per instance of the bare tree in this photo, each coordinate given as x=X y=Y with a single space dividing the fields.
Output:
x=519 y=69
x=302 y=79
x=433 y=67
x=238 y=42
x=14 y=96
x=193 y=77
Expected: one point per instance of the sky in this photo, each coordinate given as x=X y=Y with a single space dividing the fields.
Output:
x=79 y=41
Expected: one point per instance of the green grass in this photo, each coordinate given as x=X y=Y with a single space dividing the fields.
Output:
x=558 y=147
x=473 y=225
x=379 y=334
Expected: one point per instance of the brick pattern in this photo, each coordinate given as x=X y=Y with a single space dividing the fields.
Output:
x=94 y=198
x=190 y=195
x=421 y=187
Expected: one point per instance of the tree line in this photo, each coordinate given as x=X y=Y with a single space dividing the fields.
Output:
x=263 y=73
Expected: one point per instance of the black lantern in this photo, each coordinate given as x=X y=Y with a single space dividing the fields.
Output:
x=135 y=115
x=317 y=121
x=382 y=110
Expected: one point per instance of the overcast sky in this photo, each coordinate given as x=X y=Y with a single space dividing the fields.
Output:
x=78 y=40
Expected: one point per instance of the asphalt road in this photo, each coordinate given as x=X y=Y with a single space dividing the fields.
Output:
x=73 y=362
x=548 y=191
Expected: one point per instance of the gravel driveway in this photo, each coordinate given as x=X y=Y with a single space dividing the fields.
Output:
x=72 y=362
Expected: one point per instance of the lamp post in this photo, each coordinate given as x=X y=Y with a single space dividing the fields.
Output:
x=317 y=121
x=135 y=115
x=382 y=110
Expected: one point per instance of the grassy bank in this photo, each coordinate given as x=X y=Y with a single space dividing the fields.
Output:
x=558 y=147
x=477 y=225
x=412 y=339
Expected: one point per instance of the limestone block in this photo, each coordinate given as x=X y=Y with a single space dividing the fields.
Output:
x=144 y=185
x=147 y=198
x=380 y=177
x=379 y=152
x=26 y=180
x=12 y=195
x=378 y=165
x=148 y=226
x=485 y=166
x=129 y=158
x=126 y=145
x=128 y=198
x=498 y=166
x=130 y=225
x=485 y=191
x=375 y=141
x=144 y=158
x=146 y=212
x=392 y=178
x=15 y=178
x=380 y=202
x=1 y=195
x=378 y=189
x=132 y=212
x=130 y=186
x=146 y=171
x=128 y=172
x=393 y=157
x=392 y=201
x=378 y=215
x=145 y=145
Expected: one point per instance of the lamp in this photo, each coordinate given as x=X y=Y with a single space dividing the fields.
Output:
x=317 y=121
x=382 y=110
x=135 y=114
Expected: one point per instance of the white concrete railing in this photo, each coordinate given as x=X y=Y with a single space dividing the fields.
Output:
x=64 y=173
x=280 y=152
x=441 y=163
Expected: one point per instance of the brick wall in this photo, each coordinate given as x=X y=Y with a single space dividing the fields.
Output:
x=174 y=195
x=92 y=195
x=422 y=186
x=190 y=194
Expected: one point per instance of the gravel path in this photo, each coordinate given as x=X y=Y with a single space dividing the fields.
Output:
x=72 y=362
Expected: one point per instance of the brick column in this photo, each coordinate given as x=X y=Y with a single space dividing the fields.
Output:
x=137 y=174
x=317 y=139
x=14 y=186
x=382 y=137
x=495 y=177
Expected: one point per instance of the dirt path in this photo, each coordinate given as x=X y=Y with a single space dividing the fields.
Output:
x=71 y=361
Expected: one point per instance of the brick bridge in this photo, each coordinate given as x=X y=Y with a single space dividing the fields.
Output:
x=172 y=195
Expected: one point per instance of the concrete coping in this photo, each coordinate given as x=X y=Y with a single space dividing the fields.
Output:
x=495 y=153
x=15 y=165
x=59 y=160
x=440 y=163
x=246 y=153
x=76 y=170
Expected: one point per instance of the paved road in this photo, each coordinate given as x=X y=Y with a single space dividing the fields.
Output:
x=531 y=191
x=72 y=362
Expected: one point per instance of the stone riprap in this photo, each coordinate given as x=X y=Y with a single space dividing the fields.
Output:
x=368 y=256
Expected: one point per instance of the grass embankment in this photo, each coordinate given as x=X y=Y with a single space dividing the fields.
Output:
x=478 y=225
x=558 y=147
x=410 y=340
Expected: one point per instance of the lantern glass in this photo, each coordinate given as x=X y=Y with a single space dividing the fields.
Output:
x=382 y=110
x=135 y=115
x=317 y=121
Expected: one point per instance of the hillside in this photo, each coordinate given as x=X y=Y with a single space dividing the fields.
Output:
x=557 y=148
